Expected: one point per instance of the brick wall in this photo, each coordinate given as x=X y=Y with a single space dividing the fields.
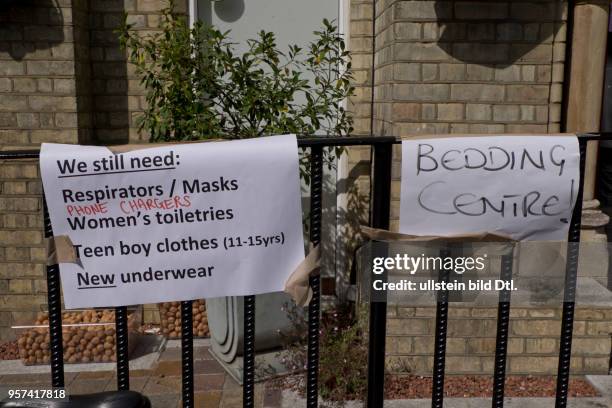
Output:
x=360 y=104
x=353 y=186
x=116 y=91
x=63 y=79
x=533 y=345
x=455 y=66
x=37 y=103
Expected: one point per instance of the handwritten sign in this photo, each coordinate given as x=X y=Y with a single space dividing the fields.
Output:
x=524 y=187
x=175 y=222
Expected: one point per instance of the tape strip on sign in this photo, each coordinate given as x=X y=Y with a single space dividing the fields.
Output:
x=158 y=223
x=298 y=283
x=521 y=186
x=376 y=234
x=60 y=250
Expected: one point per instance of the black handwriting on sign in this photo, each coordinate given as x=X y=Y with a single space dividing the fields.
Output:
x=435 y=198
x=490 y=158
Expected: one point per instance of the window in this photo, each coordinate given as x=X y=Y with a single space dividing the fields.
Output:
x=293 y=21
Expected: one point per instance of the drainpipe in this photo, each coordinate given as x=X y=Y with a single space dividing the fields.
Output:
x=192 y=8
x=589 y=31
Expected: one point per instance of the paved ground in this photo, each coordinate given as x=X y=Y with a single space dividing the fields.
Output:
x=162 y=383
x=215 y=389
x=603 y=384
x=291 y=400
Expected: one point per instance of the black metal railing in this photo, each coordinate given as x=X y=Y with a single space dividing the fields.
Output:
x=380 y=213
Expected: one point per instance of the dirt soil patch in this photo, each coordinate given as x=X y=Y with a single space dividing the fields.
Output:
x=411 y=386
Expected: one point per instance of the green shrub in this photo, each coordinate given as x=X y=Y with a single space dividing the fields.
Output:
x=343 y=352
x=197 y=87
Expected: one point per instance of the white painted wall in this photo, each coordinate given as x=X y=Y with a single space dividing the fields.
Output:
x=292 y=20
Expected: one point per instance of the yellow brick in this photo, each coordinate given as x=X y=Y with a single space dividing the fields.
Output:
x=455 y=346
x=13 y=171
x=533 y=365
x=40 y=286
x=541 y=346
x=22 y=302
x=405 y=311
x=488 y=364
x=471 y=328
x=19 y=204
x=458 y=312
x=14 y=187
x=399 y=345
x=423 y=345
x=20 y=237
x=518 y=312
x=542 y=313
x=21 y=270
x=17 y=254
x=484 y=312
x=413 y=364
x=515 y=345
x=596 y=365
x=576 y=364
x=409 y=326
x=588 y=314
x=425 y=311
x=579 y=328
x=464 y=364
x=481 y=345
x=599 y=327
x=38 y=254
x=531 y=327
x=591 y=346
x=20 y=286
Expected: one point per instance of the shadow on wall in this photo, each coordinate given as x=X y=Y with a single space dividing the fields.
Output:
x=495 y=34
x=109 y=84
x=27 y=26
x=228 y=11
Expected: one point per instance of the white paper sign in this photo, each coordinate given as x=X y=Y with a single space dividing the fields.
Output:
x=524 y=187
x=175 y=222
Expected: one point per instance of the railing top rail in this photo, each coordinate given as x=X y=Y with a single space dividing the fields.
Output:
x=324 y=141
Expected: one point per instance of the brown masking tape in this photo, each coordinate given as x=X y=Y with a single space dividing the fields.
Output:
x=297 y=285
x=60 y=249
x=385 y=235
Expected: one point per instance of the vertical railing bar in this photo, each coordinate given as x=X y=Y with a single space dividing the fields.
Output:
x=54 y=301
x=187 y=352
x=569 y=295
x=314 y=307
x=380 y=211
x=248 y=375
x=439 y=362
x=123 y=360
x=501 y=343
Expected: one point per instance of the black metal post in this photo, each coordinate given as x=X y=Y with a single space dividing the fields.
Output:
x=123 y=360
x=54 y=300
x=501 y=345
x=187 y=352
x=248 y=375
x=569 y=295
x=437 y=389
x=381 y=199
x=314 y=307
